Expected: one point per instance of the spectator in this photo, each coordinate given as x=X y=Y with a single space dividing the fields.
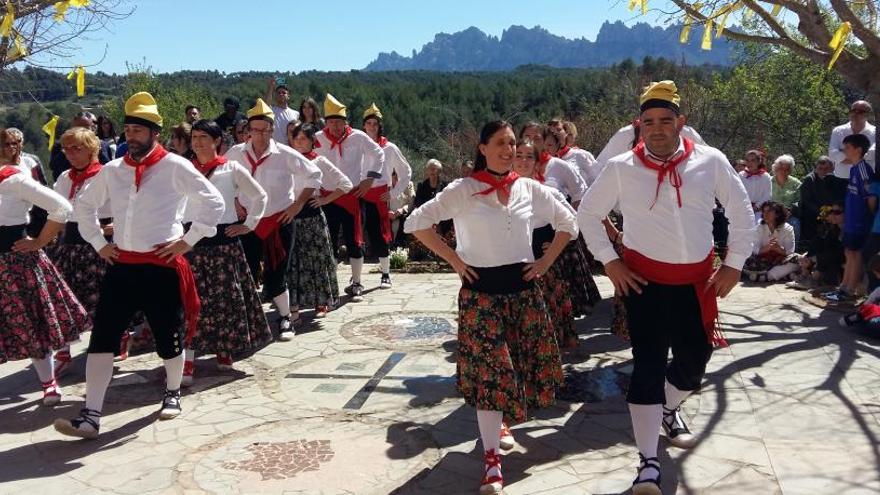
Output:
x=107 y=134
x=859 y=112
x=310 y=113
x=740 y=165
x=58 y=162
x=280 y=94
x=241 y=132
x=230 y=117
x=192 y=114
x=756 y=180
x=786 y=190
x=432 y=184
x=867 y=315
x=774 y=246
x=819 y=188
x=467 y=168
x=858 y=219
x=180 y=140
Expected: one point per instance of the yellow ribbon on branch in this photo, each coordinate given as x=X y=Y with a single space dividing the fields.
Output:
x=61 y=8
x=838 y=42
x=707 y=34
x=777 y=8
x=19 y=49
x=80 y=73
x=688 y=23
x=49 y=129
x=8 y=20
x=643 y=3
x=724 y=13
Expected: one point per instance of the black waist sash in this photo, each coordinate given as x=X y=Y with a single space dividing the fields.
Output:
x=504 y=279
x=9 y=234
x=308 y=211
x=219 y=239
x=539 y=237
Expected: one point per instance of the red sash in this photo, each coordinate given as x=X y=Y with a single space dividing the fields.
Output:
x=665 y=168
x=374 y=195
x=7 y=172
x=269 y=230
x=696 y=274
x=192 y=305
x=350 y=203
x=79 y=177
x=153 y=158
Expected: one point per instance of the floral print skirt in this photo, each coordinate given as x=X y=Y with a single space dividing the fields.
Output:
x=508 y=358
x=575 y=266
x=82 y=269
x=232 y=319
x=557 y=298
x=38 y=311
x=311 y=278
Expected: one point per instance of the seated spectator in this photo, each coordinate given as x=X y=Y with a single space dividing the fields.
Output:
x=756 y=180
x=786 y=190
x=819 y=188
x=774 y=246
x=867 y=315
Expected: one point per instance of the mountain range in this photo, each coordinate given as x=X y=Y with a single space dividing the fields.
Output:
x=474 y=50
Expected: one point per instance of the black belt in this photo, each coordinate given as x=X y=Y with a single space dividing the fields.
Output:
x=308 y=211
x=9 y=234
x=219 y=239
x=539 y=237
x=504 y=279
x=72 y=235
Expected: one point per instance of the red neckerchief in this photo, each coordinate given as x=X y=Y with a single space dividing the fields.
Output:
x=666 y=168
x=7 y=172
x=563 y=151
x=541 y=166
x=153 y=158
x=208 y=168
x=311 y=155
x=338 y=142
x=254 y=162
x=495 y=183
x=383 y=141
x=760 y=171
x=79 y=177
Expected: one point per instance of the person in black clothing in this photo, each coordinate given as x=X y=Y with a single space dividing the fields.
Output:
x=230 y=116
x=432 y=185
x=819 y=188
x=58 y=162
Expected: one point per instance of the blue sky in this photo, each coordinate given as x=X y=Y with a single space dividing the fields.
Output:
x=280 y=35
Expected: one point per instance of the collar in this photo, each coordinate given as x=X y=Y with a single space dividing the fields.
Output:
x=271 y=150
x=659 y=161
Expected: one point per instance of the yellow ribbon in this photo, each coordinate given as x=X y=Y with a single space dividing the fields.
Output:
x=838 y=42
x=19 y=50
x=707 y=35
x=776 y=10
x=80 y=73
x=49 y=129
x=688 y=23
x=724 y=13
x=61 y=8
x=643 y=3
x=8 y=19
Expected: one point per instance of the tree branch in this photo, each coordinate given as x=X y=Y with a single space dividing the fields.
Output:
x=868 y=37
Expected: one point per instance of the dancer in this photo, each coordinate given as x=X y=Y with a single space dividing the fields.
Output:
x=362 y=160
x=312 y=275
x=281 y=171
x=148 y=190
x=666 y=189
x=38 y=312
x=508 y=356
x=557 y=172
x=232 y=320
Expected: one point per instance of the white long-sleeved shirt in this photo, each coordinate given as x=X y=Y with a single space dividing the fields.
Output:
x=487 y=232
x=14 y=210
x=758 y=187
x=622 y=141
x=283 y=171
x=358 y=157
x=565 y=177
x=668 y=233
x=584 y=163
x=233 y=181
x=331 y=177
x=62 y=187
x=22 y=188
x=835 y=147
x=394 y=162
x=784 y=235
x=146 y=217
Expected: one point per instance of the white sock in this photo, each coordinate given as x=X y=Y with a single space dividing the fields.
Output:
x=489 y=423
x=173 y=372
x=189 y=355
x=674 y=396
x=282 y=302
x=385 y=265
x=357 y=266
x=99 y=372
x=646 y=430
x=44 y=368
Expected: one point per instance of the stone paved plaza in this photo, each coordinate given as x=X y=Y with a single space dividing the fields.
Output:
x=364 y=403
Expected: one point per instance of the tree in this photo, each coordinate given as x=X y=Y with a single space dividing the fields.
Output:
x=38 y=30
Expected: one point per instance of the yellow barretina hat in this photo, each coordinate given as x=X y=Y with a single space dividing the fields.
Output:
x=261 y=111
x=661 y=94
x=373 y=111
x=333 y=108
x=141 y=109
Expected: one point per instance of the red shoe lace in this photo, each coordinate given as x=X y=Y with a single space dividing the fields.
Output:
x=491 y=459
x=50 y=388
x=62 y=356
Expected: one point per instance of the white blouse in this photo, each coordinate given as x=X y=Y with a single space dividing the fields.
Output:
x=487 y=232
x=153 y=214
x=394 y=162
x=283 y=170
x=62 y=187
x=360 y=158
x=235 y=181
x=14 y=210
x=758 y=187
x=331 y=177
x=584 y=163
x=563 y=176
x=22 y=188
x=784 y=234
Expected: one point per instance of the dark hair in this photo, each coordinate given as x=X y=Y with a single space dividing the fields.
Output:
x=762 y=158
x=824 y=159
x=190 y=107
x=529 y=125
x=101 y=133
x=379 y=121
x=859 y=140
x=779 y=210
x=280 y=87
x=303 y=128
x=486 y=134
x=529 y=142
x=550 y=133
x=231 y=100
x=310 y=102
x=209 y=127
